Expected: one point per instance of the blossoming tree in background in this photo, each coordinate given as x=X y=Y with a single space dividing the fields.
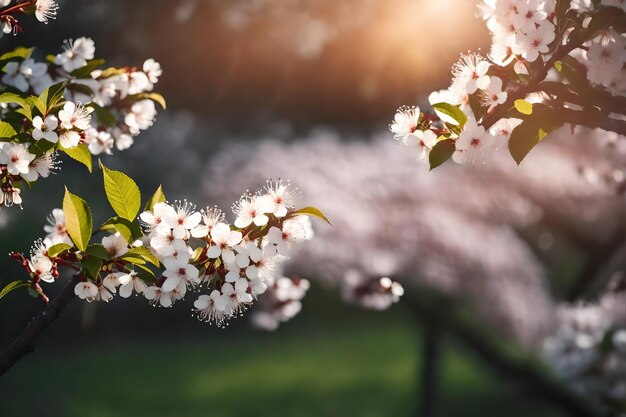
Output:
x=69 y=105
x=552 y=63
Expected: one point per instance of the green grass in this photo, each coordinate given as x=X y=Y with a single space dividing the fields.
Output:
x=363 y=370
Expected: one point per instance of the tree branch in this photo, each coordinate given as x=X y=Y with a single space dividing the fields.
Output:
x=521 y=368
x=25 y=342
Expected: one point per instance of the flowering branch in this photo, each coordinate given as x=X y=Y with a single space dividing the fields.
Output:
x=503 y=99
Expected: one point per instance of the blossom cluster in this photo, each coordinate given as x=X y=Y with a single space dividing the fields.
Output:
x=489 y=97
x=236 y=263
x=79 y=109
x=282 y=302
x=588 y=349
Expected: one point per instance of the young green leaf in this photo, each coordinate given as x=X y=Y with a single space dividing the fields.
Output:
x=312 y=211
x=441 y=152
x=97 y=250
x=52 y=95
x=92 y=265
x=453 y=111
x=104 y=116
x=140 y=256
x=6 y=130
x=56 y=250
x=78 y=219
x=13 y=286
x=81 y=154
x=85 y=72
x=157 y=197
x=523 y=106
x=122 y=193
x=18 y=54
x=156 y=97
x=131 y=231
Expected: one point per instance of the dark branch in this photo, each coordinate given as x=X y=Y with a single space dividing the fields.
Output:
x=523 y=369
x=25 y=342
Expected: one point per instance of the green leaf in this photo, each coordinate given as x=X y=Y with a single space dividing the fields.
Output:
x=55 y=250
x=13 y=286
x=36 y=103
x=312 y=211
x=13 y=98
x=110 y=72
x=140 y=256
x=122 y=193
x=79 y=153
x=105 y=117
x=18 y=54
x=531 y=132
x=156 y=97
x=441 y=152
x=78 y=219
x=523 y=106
x=6 y=130
x=144 y=272
x=92 y=265
x=85 y=72
x=97 y=250
x=559 y=66
x=40 y=147
x=157 y=197
x=131 y=231
x=52 y=95
x=453 y=111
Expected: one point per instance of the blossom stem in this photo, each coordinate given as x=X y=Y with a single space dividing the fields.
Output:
x=17 y=8
x=25 y=342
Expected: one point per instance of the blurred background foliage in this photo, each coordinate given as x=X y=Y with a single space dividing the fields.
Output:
x=244 y=71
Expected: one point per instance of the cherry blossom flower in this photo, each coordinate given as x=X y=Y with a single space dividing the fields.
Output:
x=86 y=290
x=252 y=209
x=115 y=245
x=75 y=116
x=56 y=229
x=69 y=139
x=207 y=311
x=470 y=73
x=46 y=10
x=493 y=95
x=281 y=197
x=44 y=129
x=16 y=158
x=20 y=75
x=211 y=216
x=179 y=270
x=182 y=220
x=233 y=298
x=405 y=121
x=153 y=70
x=420 y=143
x=40 y=167
x=130 y=282
x=141 y=115
x=223 y=240
x=76 y=53
x=473 y=143
x=155 y=295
